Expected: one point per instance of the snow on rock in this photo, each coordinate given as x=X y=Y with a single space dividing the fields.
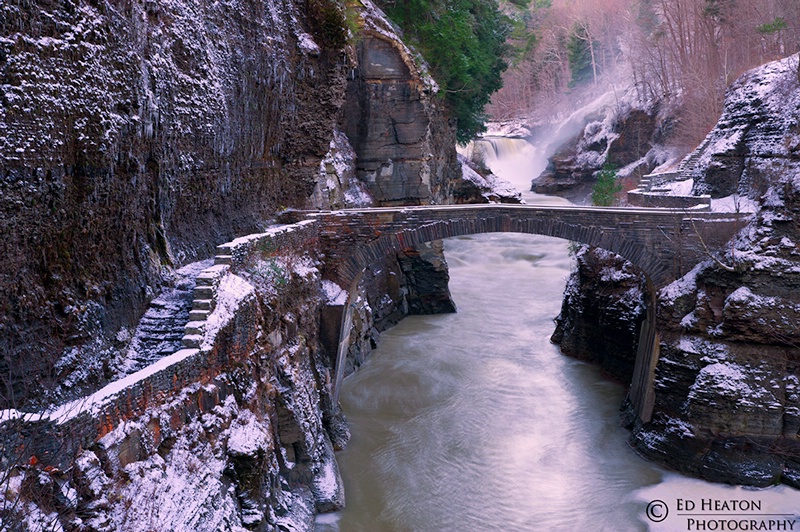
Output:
x=184 y=489
x=232 y=292
x=248 y=437
x=334 y=294
x=484 y=186
x=734 y=203
x=758 y=127
x=680 y=287
x=735 y=382
x=375 y=20
x=513 y=128
x=306 y=43
x=337 y=186
x=769 y=319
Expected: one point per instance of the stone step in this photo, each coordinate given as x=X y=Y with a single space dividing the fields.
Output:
x=192 y=340
x=199 y=315
x=195 y=327
x=223 y=259
x=211 y=276
x=204 y=292
x=202 y=304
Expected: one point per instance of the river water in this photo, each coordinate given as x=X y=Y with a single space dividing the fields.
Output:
x=474 y=421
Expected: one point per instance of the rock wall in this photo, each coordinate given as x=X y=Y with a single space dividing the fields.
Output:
x=134 y=137
x=412 y=282
x=727 y=383
x=726 y=402
x=602 y=312
x=401 y=132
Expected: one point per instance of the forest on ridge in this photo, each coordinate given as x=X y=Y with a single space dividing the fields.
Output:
x=679 y=53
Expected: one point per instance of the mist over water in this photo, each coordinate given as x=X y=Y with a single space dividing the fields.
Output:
x=474 y=421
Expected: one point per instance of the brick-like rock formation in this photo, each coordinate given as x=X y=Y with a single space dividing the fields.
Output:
x=399 y=129
x=726 y=384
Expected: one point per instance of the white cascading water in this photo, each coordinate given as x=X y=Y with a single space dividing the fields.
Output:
x=474 y=421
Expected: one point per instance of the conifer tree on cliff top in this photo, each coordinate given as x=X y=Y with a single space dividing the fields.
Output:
x=464 y=42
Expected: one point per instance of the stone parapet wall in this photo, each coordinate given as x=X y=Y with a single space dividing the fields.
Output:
x=235 y=256
x=54 y=437
x=643 y=198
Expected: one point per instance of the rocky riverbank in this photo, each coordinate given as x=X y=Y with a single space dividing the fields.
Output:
x=214 y=136
x=726 y=403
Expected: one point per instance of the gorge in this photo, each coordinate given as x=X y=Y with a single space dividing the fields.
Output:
x=138 y=138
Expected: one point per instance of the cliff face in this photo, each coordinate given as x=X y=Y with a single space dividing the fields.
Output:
x=602 y=312
x=727 y=383
x=402 y=135
x=136 y=137
x=726 y=402
x=236 y=433
x=133 y=140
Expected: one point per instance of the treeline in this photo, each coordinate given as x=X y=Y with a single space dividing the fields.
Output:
x=680 y=51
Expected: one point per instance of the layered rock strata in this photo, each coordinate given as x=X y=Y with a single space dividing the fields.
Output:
x=726 y=384
x=402 y=138
x=602 y=312
x=134 y=137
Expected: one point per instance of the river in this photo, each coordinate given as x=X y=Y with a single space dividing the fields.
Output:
x=474 y=421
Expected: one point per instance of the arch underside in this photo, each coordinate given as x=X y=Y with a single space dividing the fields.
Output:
x=645 y=257
x=641 y=394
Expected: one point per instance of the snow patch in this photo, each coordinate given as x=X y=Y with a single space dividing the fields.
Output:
x=307 y=45
x=232 y=292
x=326 y=481
x=732 y=381
x=683 y=286
x=734 y=203
x=248 y=436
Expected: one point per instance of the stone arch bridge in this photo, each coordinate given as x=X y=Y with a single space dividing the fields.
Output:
x=664 y=243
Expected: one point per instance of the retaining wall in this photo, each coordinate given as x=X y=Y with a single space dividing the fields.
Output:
x=55 y=437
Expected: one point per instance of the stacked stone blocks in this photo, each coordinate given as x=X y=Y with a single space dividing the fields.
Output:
x=664 y=243
x=55 y=437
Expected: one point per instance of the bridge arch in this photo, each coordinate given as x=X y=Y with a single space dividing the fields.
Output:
x=663 y=243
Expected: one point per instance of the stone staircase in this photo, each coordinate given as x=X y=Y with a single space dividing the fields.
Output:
x=204 y=301
x=161 y=329
x=684 y=171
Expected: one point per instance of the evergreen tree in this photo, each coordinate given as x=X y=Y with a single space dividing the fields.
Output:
x=464 y=42
x=607 y=186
